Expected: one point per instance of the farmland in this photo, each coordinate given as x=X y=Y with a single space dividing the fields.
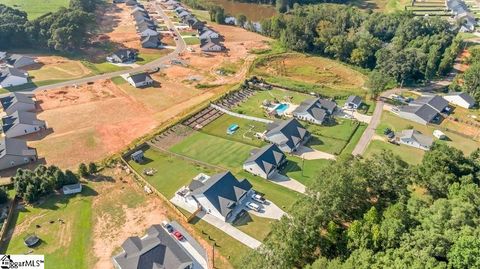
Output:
x=36 y=8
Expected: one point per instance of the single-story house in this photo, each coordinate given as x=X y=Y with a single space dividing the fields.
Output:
x=265 y=162
x=414 y=138
x=184 y=14
x=140 y=16
x=148 y=32
x=207 y=33
x=424 y=110
x=194 y=23
x=288 y=135
x=15 y=152
x=461 y=99
x=10 y=77
x=72 y=188
x=131 y=2
x=157 y=249
x=21 y=123
x=19 y=61
x=144 y=25
x=179 y=9
x=151 y=41
x=123 y=56
x=209 y=45
x=14 y=101
x=315 y=110
x=354 y=102
x=221 y=195
x=139 y=80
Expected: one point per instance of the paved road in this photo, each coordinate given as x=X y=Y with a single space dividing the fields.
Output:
x=181 y=46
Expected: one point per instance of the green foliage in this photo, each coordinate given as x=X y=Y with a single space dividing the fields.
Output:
x=83 y=170
x=377 y=83
x=92 y=168
x=3 y=195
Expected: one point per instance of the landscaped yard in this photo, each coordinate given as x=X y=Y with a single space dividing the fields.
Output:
x=146 y=57
x=255 y=226
x=333 y=139
x=172 y=172
x=214 y=150
x=409 y=154
x=310 y=168
x=102 y=68
x=36 y=8
x=245 y=133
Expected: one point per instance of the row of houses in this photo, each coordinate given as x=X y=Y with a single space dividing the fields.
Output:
x=11 y=69
x=146 y=26
x=462 y=15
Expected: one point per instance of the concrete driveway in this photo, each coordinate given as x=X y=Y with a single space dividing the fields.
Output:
x=193 y=248
x=287 y=182
x=352 y=113
x=267 y=210
x=312 y=154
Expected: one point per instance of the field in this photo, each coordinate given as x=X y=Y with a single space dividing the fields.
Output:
x=36 y=8
x=332 y=139
x=409 y=154
x=310 y=74
x=56 y=68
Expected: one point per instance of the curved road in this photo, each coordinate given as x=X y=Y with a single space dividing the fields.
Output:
x=181 y=46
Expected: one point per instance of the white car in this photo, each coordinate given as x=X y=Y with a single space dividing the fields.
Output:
x=253 y=206
x=258 y=198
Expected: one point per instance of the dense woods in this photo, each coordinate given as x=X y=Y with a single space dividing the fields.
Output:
x=399 y=45
x=383 y=213
x=64 y=30
x=469 y=81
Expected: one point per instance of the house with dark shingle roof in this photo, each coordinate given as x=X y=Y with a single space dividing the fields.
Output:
x=156 y=250
x=288 y=135
x=150 y=41
x=315 y=110
x=207 y=33
x=414 y=138
x=10 y=77
x=461 y=99
x=210 y=45
x=424 y=110
x=265 y=162
x=15 y=152
x=14 y=101
x=123 y=56
x=21 y=123
x=139 y=80
x=354 y=102
x=19 y=61
x=220 y=195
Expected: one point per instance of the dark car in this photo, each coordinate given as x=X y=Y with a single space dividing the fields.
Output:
x=167 y=226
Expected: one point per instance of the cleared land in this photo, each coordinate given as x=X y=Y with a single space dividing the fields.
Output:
x=55 y=68
x=310 y=74
x=36 y=8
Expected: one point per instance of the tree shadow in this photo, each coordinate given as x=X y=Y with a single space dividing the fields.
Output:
x=242 y=219
x=315 y=141
x=55 y=201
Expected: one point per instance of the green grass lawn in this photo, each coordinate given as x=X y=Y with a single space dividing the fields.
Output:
x=310 y=168
x=409 y=154
x=144 y=58
x=354 y=140
x=102 y=68
x=214 y=150
x=192 y=40
x=36 y=8
x=255 y=226
x=173 y=172
x=244 y=134
x=64 y=245
x=332 y=139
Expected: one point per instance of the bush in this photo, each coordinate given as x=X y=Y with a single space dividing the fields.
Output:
x=3 y=195
x=92 y=168
x=83 y=170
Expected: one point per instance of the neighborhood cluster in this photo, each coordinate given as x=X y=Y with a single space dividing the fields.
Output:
x=12 y=69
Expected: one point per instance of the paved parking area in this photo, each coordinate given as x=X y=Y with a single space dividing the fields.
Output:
x=267 y=210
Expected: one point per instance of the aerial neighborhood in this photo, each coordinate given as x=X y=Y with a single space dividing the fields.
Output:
x=166 y=134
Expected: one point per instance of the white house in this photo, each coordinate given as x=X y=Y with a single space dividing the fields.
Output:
x=140 y=80
x=461 y=99
x=21 y=123
x=207 y=33
x=354 y=102
x=13 y=101
x=15 y=152
x=72 y=188
x=10 y=77
x=414 y=138
x=265 y=162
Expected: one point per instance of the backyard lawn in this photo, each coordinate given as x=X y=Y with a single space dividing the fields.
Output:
x=310 y=172
x=102 y=68
x=214 y=150
x=409 y=154
x=36 y=8
x=256 y=227
x=245 y=133
x=145 y=57
x=333 y=139
x=173 y=172
x=64 y=245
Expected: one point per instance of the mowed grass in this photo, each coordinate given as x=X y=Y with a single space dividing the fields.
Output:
x=408 y=154
x=36 y=8
x=256 y=226
x=305 y=171
x=61 y=71
x=172 y=172
x=310 y=74
x=332 y=139
x=214 y=150
x=64 y=245
x=102 y=68
x=244 y=134
x=151 y=55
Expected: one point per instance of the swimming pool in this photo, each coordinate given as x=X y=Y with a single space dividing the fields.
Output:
x=281 y=108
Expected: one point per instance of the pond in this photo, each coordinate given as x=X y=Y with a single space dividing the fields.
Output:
x=254 y=12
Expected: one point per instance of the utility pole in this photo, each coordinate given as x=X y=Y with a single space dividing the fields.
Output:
x=303 y=164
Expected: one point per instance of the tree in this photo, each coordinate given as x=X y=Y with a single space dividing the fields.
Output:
x=471 y=80
x=70 y=177
x=3 y=196
x=83 y=170
x=92 y=168
x=377 y=83
x=241 y=20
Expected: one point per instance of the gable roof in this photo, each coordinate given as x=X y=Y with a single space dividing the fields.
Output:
x=354 y=99
x=20 y=117
x=8 y=71
x=12 y=98
x=150 y=39
x=156 y=250
x=12 y=146
x=317 y=108
x=15 y=58
x=289 y=132
x=421 y=139
x=465 y=96
x=267 y=158
x=125 y=54
x=223 y=191
x=424 y=112
x=139 y=77
x=434 y=101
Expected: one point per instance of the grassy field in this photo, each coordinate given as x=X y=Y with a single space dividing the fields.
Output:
x=409 y=154
x=244 y=134
x=102 y=68
x=36 y=8
x=214 y=150
x=310 y=169
x=310 y=74
x=255 y=226
x=191 y=40
x=62 y=71
x=332 y=139
x=144 y=57
x=173 y=172
x=64 y=245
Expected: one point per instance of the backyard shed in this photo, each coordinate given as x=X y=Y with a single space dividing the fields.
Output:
x=72 y=188
x=137 y=156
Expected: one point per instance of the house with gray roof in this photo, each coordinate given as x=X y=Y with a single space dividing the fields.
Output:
x=210 y=45
x=354 y=102
x=149 y=32
x=221 y=195
x=150 y=41
x=21 y=123
x=19 y=61
x=10 y=77
x=3 y=55
x=184 y=14
x=265 y=162
x=424 y=110
x=315 y=110
x=288 y=135
x=461 y=99
x=123 y=56
x=414 y=138
x=207 y=33
x=156 y=250
x=15 y=152
x=15 y=101
x=139 y=80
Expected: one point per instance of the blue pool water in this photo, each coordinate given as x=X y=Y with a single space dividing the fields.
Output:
x=281 y=108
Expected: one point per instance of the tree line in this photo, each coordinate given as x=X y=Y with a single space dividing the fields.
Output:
x=399 y=45
x=65 y=30
x=383 y=213
x=469 y=81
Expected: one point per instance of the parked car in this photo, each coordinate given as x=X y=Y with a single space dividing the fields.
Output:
x=253 y=206
x=178 y=235
x=258 y=198
x=167 y=226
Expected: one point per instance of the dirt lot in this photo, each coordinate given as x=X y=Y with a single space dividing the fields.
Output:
x=56 y=68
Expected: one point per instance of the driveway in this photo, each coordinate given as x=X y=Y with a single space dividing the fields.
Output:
x=193 y=248
x=287 y=182
x=349 y=114
x=312 y=154
x=267 y=210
